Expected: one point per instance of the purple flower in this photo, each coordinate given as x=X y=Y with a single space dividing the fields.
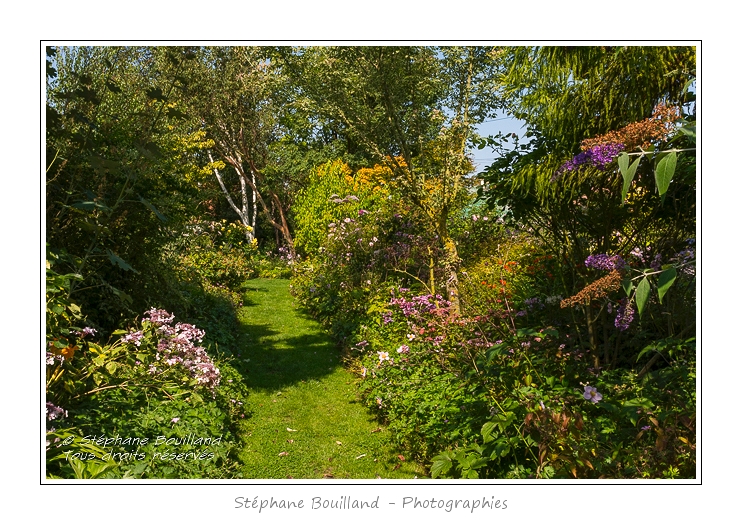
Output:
x=656 y=263
x=624 y=315
x=533 y=302
x=54 y=412
x=604 y=261
x=404 y=349
x=158 y=317
x=592 y=394
x=133 y=337
x=647 y=427
x=362 y=212
x=87 y=331
x=598 y=156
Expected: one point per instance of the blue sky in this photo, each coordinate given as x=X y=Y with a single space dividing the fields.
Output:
x=504 y=123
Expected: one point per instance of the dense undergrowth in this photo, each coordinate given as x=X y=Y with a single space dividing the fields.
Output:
x=532 y=378
x=160 y=397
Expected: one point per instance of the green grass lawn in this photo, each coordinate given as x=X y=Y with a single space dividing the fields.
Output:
x=305 y=421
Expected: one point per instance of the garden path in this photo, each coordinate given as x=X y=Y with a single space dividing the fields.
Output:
x=306 y=421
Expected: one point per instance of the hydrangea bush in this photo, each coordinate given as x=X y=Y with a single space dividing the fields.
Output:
x=153 y=380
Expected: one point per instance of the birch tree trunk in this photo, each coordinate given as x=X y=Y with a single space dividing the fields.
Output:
x=243 y=212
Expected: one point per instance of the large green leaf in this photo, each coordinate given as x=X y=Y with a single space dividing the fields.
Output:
x=664 y=171
x=642 y=295
x=628 y=286
x=667 y=277
x=627 y=172
x=487 y=429
x=442 y=463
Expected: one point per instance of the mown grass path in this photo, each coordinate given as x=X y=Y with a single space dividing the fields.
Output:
x=305 y=420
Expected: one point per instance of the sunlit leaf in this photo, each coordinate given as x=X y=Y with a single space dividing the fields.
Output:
x=664 y=172
x=627 y=172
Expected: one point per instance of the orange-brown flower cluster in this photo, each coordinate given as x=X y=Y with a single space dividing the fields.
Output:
x=595 y=290
x=640 y=134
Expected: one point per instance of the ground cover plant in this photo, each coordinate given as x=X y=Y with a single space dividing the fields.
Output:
x=534 y=320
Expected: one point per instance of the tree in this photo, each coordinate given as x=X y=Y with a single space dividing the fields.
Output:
x=231 y=91
x=567 y=95
x=109 y=192
x=412 y=108
x=588 y=104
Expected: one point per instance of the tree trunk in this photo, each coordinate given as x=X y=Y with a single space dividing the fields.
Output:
x=450 y=264
x=281 y=224
x=243 y=212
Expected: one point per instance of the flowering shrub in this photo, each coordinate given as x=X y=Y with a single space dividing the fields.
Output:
x=518 y=277
x=154 y=373
x=407 y=363
x=175 y=348
x=598 y=156
x=360 y=258
x=332 y=194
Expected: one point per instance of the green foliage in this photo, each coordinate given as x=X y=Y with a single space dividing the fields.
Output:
x=627 y=172
x=497 y=377
x=361 y=256
x=545 y=430
x=314 y=208
x=110 y=187
x=553 y=88
x=216 y=253
x=127 y=389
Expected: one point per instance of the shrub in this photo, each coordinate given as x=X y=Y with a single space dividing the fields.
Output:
x=151 y=385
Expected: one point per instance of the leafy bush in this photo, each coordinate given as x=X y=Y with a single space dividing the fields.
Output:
x=557 y=417
x=153 y=388
x=331 y=194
